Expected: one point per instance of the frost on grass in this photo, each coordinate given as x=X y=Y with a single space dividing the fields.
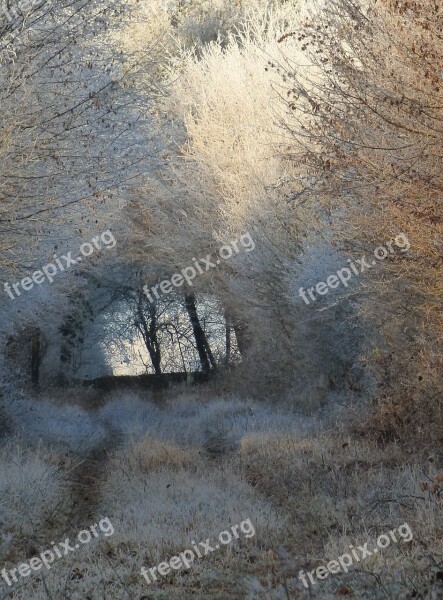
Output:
x=130 y=414
x=31 y=493
x=188 y=421
x=158 y=509
x=67 y=426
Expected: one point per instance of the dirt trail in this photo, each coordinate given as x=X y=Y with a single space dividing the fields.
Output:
x=86 y=479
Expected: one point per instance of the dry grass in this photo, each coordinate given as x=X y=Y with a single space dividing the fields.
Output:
x=33 y=499
x=150 y=454
x=339 y=490
x=308 y=495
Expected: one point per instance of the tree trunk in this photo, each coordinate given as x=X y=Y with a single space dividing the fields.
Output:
x=149 y=335
x=242 y=336
x=204 y=351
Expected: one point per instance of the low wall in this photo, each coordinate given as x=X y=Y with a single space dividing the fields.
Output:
x=150 y=382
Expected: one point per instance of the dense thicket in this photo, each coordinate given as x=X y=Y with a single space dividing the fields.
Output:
x=367 y=131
